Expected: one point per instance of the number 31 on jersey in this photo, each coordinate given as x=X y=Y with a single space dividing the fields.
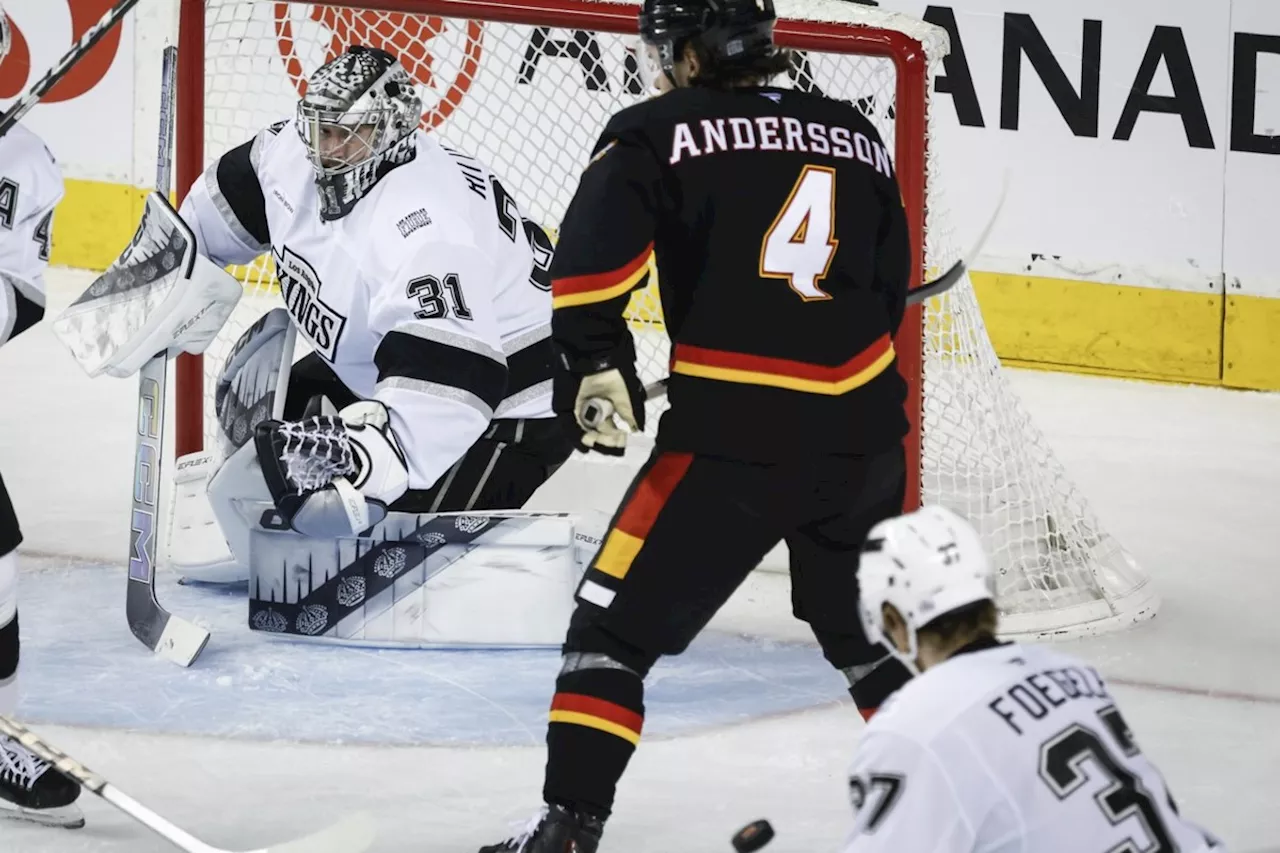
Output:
x=801 y=243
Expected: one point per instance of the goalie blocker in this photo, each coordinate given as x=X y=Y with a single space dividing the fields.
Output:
x=160 y=296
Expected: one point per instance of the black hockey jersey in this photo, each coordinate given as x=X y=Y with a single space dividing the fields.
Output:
x=783 y=261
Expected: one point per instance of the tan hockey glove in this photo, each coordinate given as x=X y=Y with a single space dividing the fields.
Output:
x=627 y=400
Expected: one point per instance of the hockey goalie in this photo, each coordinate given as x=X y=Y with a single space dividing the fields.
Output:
x=423 y=296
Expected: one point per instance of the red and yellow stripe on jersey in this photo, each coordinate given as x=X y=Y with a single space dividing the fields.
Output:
x=601 y=287
x=639 y=513
x=784 y=373
x=579 y=710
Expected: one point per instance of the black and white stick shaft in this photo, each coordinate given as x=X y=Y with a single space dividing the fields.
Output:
x=356 y=834
x=165 y=634
x=597 y=410
x=91 y=37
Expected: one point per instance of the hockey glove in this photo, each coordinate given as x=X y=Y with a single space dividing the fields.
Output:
x=621 y=389
x=333 y=475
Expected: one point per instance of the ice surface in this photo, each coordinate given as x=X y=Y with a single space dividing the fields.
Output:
x=1186 y=478
x=249 y=685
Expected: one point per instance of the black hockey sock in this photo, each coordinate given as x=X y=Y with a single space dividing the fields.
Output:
x=9 y=665
x=872 y=673
x=871 y=687
x=596 y=718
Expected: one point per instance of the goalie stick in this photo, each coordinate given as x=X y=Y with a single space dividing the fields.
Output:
x=355 y=834
x=597 y=409
x=165 y=634
x=87 y=41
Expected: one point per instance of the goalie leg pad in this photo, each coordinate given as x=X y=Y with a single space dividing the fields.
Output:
x=250 y=390
x=198 y=550
x=502 y=579
x=252 y=387
x=239 y=500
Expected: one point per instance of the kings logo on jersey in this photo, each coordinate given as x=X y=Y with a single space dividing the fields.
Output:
x=300 y=287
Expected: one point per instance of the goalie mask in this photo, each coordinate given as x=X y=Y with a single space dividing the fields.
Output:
x=357 y=121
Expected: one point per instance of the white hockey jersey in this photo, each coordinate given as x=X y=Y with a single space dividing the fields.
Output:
x=30 y=187
x=1009 y=749
x=430 y=296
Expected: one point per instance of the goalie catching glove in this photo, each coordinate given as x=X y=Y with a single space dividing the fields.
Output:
x=333 y=475
x=578 y=393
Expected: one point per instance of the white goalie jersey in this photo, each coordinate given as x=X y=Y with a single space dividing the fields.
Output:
x=30 y=187
x=431 y=296
x=1010 y=749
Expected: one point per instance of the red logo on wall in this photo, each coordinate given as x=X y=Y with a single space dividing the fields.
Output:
x=441 y=55
x=16 y=72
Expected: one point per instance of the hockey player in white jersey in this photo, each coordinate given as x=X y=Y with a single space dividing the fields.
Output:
x=421 y=290
x=30 y=186
x=994 y=746
x=408 y=270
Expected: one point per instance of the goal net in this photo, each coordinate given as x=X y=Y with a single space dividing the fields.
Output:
x=526 y=86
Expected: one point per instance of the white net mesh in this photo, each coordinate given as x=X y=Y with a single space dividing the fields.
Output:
x=315 y=452
x=528 y=96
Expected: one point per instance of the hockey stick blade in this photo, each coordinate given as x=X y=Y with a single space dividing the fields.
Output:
x=87 y=42
x=355 y=834
x=595 y=411
x=165 y=634
x=168 y=636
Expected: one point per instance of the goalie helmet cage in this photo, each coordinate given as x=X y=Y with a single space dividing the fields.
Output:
x=526 y=85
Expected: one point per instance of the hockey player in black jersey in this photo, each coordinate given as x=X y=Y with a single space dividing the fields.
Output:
x=783 y=261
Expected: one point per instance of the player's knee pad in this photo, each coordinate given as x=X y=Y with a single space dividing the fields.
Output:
x=589 y=644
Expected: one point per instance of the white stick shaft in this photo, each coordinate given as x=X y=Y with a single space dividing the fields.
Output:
x=95 y=784
x=355 y=834
x=178 y=837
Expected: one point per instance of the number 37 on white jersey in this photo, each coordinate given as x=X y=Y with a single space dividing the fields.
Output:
x=1010 y=749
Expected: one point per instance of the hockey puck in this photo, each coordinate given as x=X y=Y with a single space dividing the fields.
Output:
x=753 y=836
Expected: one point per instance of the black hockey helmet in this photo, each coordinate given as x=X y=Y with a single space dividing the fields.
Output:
x=729 y=32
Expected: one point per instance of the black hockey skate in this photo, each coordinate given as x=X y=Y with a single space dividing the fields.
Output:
x=32 y=790
x=555 y=829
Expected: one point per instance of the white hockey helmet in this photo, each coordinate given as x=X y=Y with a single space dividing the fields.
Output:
x=6 y=35
x=926 y=564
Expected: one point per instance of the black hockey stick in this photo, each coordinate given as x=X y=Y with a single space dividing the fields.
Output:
x=596 y=410
x=87 y=41
x=355 y=834
x=165 y=634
